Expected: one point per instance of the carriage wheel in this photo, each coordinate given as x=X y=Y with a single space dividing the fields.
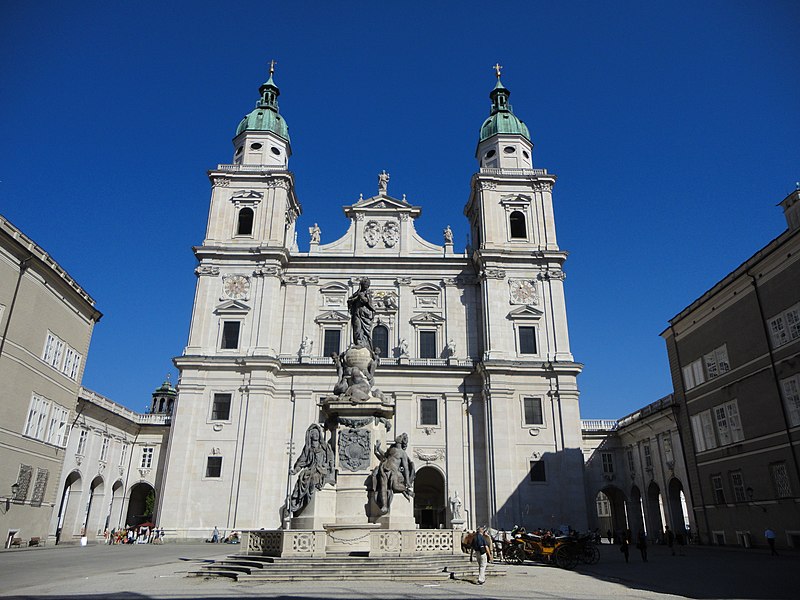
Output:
x=515 y=555
x=566 y=558
x=590 y=555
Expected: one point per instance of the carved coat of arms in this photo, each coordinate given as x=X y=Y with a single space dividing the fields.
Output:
x=354 y=449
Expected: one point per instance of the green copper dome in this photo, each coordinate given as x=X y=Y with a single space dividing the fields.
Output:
x=501 y=118
x=265 y=116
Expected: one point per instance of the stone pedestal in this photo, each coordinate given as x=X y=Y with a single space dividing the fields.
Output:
x=320 y=509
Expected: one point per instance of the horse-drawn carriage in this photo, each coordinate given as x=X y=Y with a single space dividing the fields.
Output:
x=564 y=551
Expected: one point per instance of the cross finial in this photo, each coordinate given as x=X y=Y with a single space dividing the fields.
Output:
x=272 y=64
x=497 y=68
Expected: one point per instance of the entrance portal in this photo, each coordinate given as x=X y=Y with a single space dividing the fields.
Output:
x=140 y=509
x=429 y=501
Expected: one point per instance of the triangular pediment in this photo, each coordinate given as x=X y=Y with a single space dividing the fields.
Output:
x=525 y=312
x=332 y=316
x=428 y=318
x=232 y=307
x=382 y=205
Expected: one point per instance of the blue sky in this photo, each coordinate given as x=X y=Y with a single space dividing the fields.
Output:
x=673 y=129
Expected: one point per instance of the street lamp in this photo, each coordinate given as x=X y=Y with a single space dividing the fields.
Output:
x=14 y=490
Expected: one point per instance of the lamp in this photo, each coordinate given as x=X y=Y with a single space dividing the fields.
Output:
x=749 y=493
x=14 y=490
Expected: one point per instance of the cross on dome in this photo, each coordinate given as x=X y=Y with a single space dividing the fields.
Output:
x=497 y=68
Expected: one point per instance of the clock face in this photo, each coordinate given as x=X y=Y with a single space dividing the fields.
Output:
x=236 y=286
x=523 y=292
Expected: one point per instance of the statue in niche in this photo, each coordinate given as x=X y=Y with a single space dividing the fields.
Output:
x=455 y=506
x=315 y=232
x=448 y=235
x=315 y=466
x=361 y=315
x=394 y=474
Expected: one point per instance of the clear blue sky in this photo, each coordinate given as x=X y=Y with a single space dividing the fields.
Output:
x=673 y=128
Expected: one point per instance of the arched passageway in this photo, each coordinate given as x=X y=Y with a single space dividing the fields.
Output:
x=115 y=507
x=655 y=512
x=677 y=506
x=636 y=512
x=95 y=509
x=617 y=519
x=70 y=515
x=429 y=500
x=140 y=504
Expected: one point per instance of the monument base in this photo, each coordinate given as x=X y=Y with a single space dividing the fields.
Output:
x=320 y=509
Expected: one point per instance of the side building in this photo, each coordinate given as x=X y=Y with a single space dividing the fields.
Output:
x=113 y=465
x=46 y=324
x=734 y=356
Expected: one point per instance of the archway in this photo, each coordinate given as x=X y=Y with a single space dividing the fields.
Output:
x=617 y=521
x=636 y=512
x=95 y=509
x=655 y=507
x=677 y=506
x=140 y=509
x=70 y=516
x=429 y=500
x=115 y=507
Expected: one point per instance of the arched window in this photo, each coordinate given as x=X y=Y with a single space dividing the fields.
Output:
x=245 y=222
x=380 y=340
x=517 y=223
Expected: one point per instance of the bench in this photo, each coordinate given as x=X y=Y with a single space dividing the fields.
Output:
x=16 y=542
x=35 y=541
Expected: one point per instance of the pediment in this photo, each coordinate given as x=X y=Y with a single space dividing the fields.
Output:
x=516 y=200
x=426 y=318
x=426 y=288
x=334 y=288
x=247 y=194
x=382 y=202
x=525 y=313
x=332 y=316
x=232 y=307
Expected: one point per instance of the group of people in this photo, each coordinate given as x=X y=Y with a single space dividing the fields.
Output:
x=139 y=534
x=231 y=538
x=669 y=538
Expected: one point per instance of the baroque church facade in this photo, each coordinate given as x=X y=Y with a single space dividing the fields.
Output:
x=474 y=347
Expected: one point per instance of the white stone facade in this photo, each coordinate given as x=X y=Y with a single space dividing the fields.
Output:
x=475 y=348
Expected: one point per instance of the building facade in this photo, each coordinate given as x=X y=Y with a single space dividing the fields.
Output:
x=46 y=324
x=474 y=347
x=734 y=359
x=113 y=465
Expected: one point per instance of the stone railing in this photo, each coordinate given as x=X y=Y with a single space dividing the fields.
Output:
x=249 y=168
x=382 y=542
x=118 y=409
x=599 y=424
x=293 y=359
x=496 y=171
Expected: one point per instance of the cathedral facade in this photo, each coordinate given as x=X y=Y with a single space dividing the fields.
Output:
x=474 y=347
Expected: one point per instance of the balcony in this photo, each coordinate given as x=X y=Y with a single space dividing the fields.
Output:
x=251 y=169
x=517 y=172
x=599 y=424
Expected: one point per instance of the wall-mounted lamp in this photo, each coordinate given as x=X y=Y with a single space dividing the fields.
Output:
x=14 y=490
x=749 y=491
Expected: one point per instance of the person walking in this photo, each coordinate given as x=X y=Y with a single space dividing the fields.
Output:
x=608 y=535
x=641 y=544
x=770 y=535
x=484 y=551
x=670 y=539
x=215 y=536
x=625 y=548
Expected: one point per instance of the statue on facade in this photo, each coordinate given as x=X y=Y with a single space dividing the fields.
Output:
x=315 y=466
x=394 y=474
x=402 y=349
x=315 y=232
x=361 y=315
x=451 y=348
x=383 y=182
x=455 y=506
x=306 y=346
x=448 y=235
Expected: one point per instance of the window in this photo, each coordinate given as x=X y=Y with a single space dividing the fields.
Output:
x=221 y=408
x=82 y=442
x=517 y=225
x=693 y=374
x=527 y=340
x=603 y=505
x=427 y=344
x=72 y=364
x=380 y=340
x=57 y=432
x=214 y=466
x=631 y=463
x=717 y=362
x=648 y=457
x=53 y=349
x=533 y=411
x=737 y=483
x=780 y=479
x=729 y=426
x=230 y=335
x=104 y=449
x=428 y=411
x=791 y=398
x=785 y=327
x=245 y=224
x=36 y=425
x=716 y=486
x=538 y=471
x=608 y=462
x=703 y=431
x=123 y=455
x=332 y=342
x=147 y=458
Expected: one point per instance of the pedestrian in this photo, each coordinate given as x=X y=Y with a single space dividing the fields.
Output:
x=680 y=539
x=641 y=544
x=770 y=535
x=215 y=536
x=608 y=535
x=670 y=538
x=483 y=549
x=624 y=547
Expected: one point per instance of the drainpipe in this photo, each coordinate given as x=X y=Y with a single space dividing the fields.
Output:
x=775 y=373
x=23 y=266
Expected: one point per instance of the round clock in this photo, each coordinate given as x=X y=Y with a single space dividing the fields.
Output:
x=523 y=292
x=236 y=286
